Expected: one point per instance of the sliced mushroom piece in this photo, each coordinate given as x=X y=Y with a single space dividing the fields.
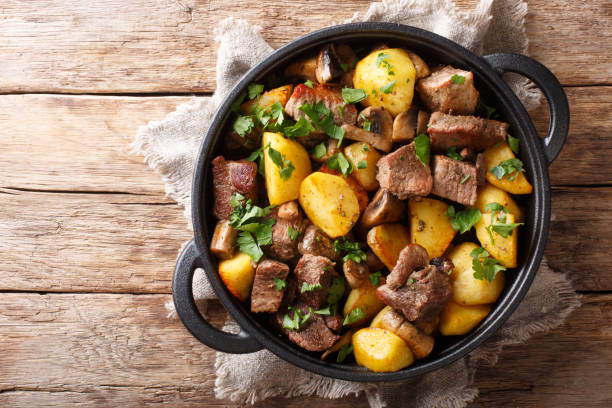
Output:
x=328 y=65
x=404 y=126
x=355 y=273
x=304 y=69
x=380 y=128
x=420 y=344
x=420 y=66
x=374 y=263
x=331 y=148
x=353 y=132
x=422 y=121
x=224 y=240
x=384 y=208
x=345 y=55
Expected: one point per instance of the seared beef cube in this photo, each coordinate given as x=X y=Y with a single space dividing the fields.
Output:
x=313 y=335
x=264 y=296
x=287 y=216
x=291 y=292
x=449 y=90
x=223 y=242
x=230 y=177
x=317 y=242
x=455 y=180
x=446 y=131
x=314 y=274
x=414 y=287
x=334 y=322
x=443 y=264
x=401 y=173
x=331 y=97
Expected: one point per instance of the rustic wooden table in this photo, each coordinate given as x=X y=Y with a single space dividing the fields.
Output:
x=89 y=239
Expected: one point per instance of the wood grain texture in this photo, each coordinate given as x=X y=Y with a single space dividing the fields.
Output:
x=168 y=46
x=128 y=243
x=115 y=350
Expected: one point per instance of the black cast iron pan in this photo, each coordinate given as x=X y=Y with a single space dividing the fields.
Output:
x=536 y=154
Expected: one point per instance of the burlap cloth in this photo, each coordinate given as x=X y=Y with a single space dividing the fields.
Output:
x=171 y=145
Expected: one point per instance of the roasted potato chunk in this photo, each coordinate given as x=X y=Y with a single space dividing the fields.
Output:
x=363 y=157
x=363 y=297
x=457 y=320
x=380 y=350
x=503 y=249
x=387 y=241
x=494 y=156
x=429 y=226
x=488 y=194
x=238 y=274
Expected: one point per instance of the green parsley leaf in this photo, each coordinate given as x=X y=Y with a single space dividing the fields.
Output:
x=452 y=153
x=421 y=147
x=495 y=207
x=458 y=79
x=344 y=66
x=255 y=231
x=243 y=125
x=249 y=246
x=323 y=119
x=309 y=287
x=286 y=171
x=353 y=95
x=485 y=110
x=513 y=142
x=463 y=220
x=375 y=278
x=297 y=321
x=354 y=316
x=381 y=57
x=362 y=164
x=324 y=311
x=300 y=129
x=344 y=351
x=285 y=166
x=365 y=147
x=255 y=90
x=464 y=179
x=332 y=130
x=484 y=266
x=507 y=168
x=319 y=150
x=374 y=92
x=388 y=87
x=411 y=281
x=293 y=233
x=341 y=110
x=407 y=80
x=339 y=162
x=235 y=106
x=336 y=290
x=279 y=284
x=505 y=229
x=352 y=249
x=309 y=84
x=367 y=124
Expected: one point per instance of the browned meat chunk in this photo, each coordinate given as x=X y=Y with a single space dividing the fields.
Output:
x=330 y=96
x=334 y=322
x=446 y=131
x=403 y=174
x=316 y=242
x=289 y=220
x=449 y=90
x=455 y=180
x=443 y=264
x=313 y=335
x=231 y=177
x=417 y=293
x=223 y=241
x=264 y=296
x=314 y=275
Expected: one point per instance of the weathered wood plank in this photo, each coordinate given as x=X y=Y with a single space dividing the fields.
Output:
x=168 y=46
x=101 y=350
x=128 y=243
x=81 y=142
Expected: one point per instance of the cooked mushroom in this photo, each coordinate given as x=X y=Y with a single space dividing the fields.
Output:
x=380 y=47
x=405 y=125
x=303 y=69
x=328 y=65
x=289 y=211
x=224 y=240
x=331 y=148
x=345 y=55
x=422 y=120
x=355 y=273
x=383 y=208
x=380 y=125
x=420 y=66
x=420 y=344
x=374 y=263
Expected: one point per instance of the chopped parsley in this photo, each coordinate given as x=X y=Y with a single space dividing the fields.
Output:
x=344 y=351
x=326 y=311
x=513 y=142
x=464 y=179
x=374 y=92
x=309 y=84
x=498 y=221
x=352 y=249
x=365 y=148
x=375 y=278
x=452 y=153
x=458 y=79
x=255 y=231
x=353 y=95
x=279 y=284
x=339 y=162
x=235 y=106
x=463 y=220
x=388 y=87
x=355 y=315
x=485 y=110
x=293 y=233
x=322 y=118
x=336 y=290
x=362 y=165
x=296 y=322
x=319 y=150
x=301 y=128
x=285 y=166
x=507 y=168
x=309 y=287
x=411 y=281
x=258 y=155
x=243 y=125
x=421 y=147
x=367 y=123
x=344 y=66
x=255 y=90
x=484 y=266
x=381 y=59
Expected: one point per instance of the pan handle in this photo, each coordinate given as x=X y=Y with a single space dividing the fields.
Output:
x=552 y=89
x=185 y=305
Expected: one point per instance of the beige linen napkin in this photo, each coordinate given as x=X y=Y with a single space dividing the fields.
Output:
x=171 y=145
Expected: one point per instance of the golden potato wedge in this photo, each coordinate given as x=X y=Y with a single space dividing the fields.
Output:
x=496 y=154
x=467 y=290
x=429 y=226
x=488 y=194
x=268 y=98
x=387 y=241
x=377 y=320
x=500 y=248
x=388 y=78
x=329 y=203
x=380 y=350
x=238 y=273
x=281 y=190
x=363 y=297
x=363 y=157
x=457 y=320
x=360 y=193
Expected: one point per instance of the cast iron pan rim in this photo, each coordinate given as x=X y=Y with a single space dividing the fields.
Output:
x=520 y=121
